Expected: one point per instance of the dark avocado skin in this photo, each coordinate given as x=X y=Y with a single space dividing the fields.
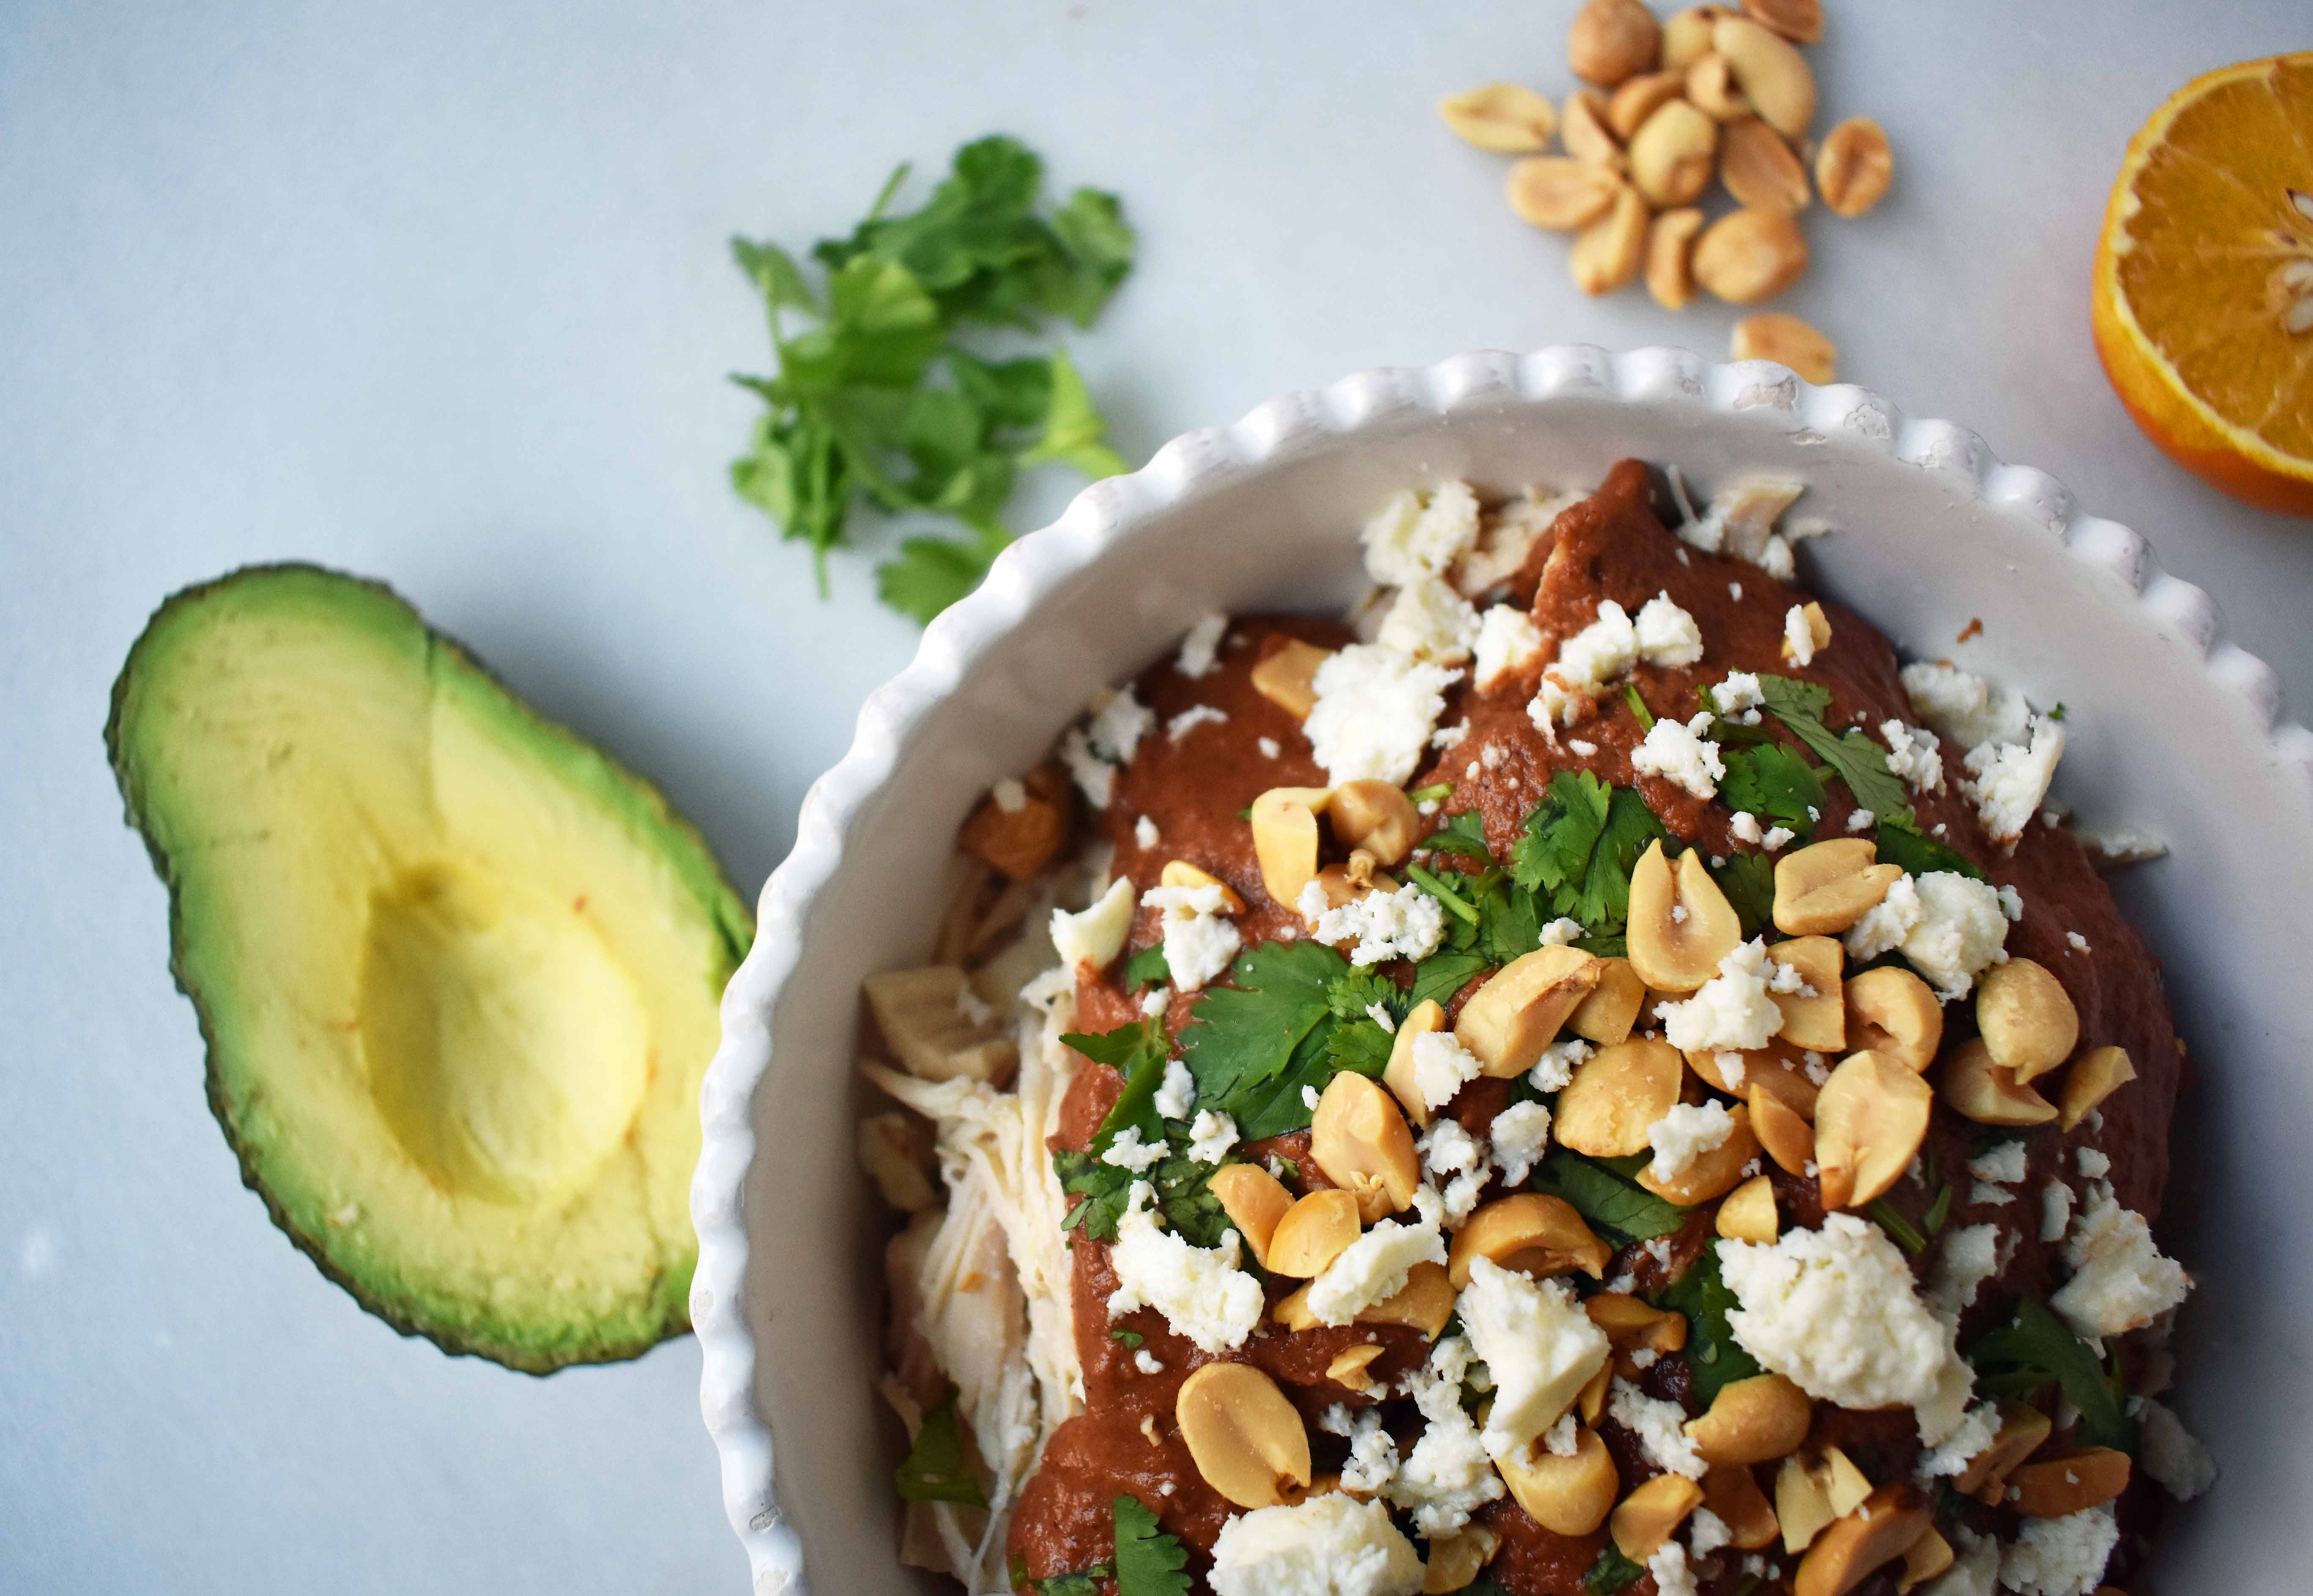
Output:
x=537 y=1348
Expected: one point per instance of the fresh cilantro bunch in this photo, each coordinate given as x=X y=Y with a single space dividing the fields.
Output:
x=876 y=395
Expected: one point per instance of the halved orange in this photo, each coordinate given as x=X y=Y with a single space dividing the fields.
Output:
x=2202 y=303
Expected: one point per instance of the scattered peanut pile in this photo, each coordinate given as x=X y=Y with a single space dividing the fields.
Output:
x=1716 y=91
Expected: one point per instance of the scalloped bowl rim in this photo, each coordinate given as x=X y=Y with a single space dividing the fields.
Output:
x=1108 y=510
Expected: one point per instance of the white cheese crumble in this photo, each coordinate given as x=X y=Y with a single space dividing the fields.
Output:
x=1408 y=539
x=2002 y=1165
x=2063 y=1557
x=1270 y=746
x=1373 y=1267
x=1799 y=638
x=1094 y=935
x=1508 y=641
x=1556 y=1067
x=2171 y=1453
x=1960 y=931
x=1094 y=777
x=1191 y=718
x=1667 y=635
x=1835 y=1312
x=1520 y=1135
x=1119 y=722
x=1199 y=648
x=1539 y=1345
x=1211 y=1137
x=1599 y=652
x=1373 y=712
x=1144 y=833
x=1176 y=1094
x=2120 y=1280
x=2007 y=780
x=1914 y=753
x=1332 y=1545
x=1975 y=1567
x=1661 y=1426
x=1154 y=1000
x=1147 y=1361
x=1732 y=1010
x=1127 y=1152
x=2055 y=1211
x=1680 y=753
x=2079 y=944
x=2012 y=904
x=1199 y=940
x=1965 y=707
x=1373 y=1449
x=1442 y=1066
x=1564 y=932
x=1406 y=923
x=1448 y=1475
x=1587 y=751
x=1685 y=1134
x=1739 y=697
x=1452 y=1153
x=1886 y=922
x=1969 y=1257
x=1382 y=1017
x=1862 y=819
x=1977 y=1432
x=1202 y=1293
x=1428 y=620
x=1706 y=1532
x=2094 y=1165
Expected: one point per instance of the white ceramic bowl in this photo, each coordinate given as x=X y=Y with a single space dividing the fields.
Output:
x=2172 y=729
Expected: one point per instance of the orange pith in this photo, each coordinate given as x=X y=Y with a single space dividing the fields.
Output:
x=2202 y=302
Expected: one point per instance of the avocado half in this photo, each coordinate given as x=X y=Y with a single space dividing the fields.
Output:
x=458 y=970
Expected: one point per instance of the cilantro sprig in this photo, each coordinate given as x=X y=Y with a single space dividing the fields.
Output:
x=1148 y=1562
x=936 y=1469
x=876 y=397
x=1578 y=849
x=1607 y=1195
x=2035 y=1348
x=1851 y=755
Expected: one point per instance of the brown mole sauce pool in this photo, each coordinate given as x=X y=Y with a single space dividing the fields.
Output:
x=1610 y=545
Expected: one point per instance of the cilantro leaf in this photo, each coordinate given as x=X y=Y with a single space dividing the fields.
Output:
x=1073 y=428
x=1771 y=782
x=1241 y=1036
x=1437 y=979
x=1146 y=968
x=1099 y=246
x=1920 y=854
x=930 y=573
x=1183 y=1194
x=1854 y=757
x=2035 y=1348
x=1612 y=1572
x=1714 y=1358
x=1083 y=1583
x=1630 y=828
x=1464 y=835
x=1148 y=1562
x=1614 y=1204
x=936 y=1468
x=1553 y=854
x=1137 y=1052
x=1748 y=881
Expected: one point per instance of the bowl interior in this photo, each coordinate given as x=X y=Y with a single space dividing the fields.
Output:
x=1929 y=534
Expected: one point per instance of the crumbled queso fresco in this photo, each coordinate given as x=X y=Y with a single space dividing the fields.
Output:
x=1447 y=1090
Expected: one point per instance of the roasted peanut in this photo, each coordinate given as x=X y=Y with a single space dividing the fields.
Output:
x=1798 y=21
x=1611 y=40
x=1789 y=1139
x=1359 y=1139
x=1891 y=1011
x=1607 y=1015
x=2022 y=1431
x=1854 y=167
x=1759 y=170
x=1507 y=118
x=1773 y=76
x=1312 y=1233
x=1929 y=1555
x=1285 y=839
x=1629 y=106
x=1631 y=1324
x=1980 y=1090
x=1671 y=155
x=1670 y=250
x=1870 y=1121
x=1850 y=1551
x=1652 y=1513
x=2100 y=1073
x=1180 y=872
x=1687 y=36
x=1825 y=888
x=1425 y=1017
x=1568 y=1496
x=1735 y=1496
x=1425 y=1303
x=1244 y=1435
x=1288 y=677
x=1777 y=1067
x=1712 y=1174
x=1509 y=1021
x=1561 y=193
x=1818 y=626
x=1616 y=1097
x=1820 y=1021
x=1748 y=1212
x=1350 y=1365
x=1785 y=339
x=1456 y=1559
x=1750 y=254
x=1608 y=253
x=1680 y=925
x=1530 y=1233
x=1375 y=816
x=2067 y=1483
x=1711 y=89
x=1811 y=1494
x=1592 y=1402
x=1586 y=134
x=1255 y=1202
x=1753 y=1421
x=2026 y=1018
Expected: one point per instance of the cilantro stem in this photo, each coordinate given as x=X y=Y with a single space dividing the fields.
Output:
x=1639 y=705
x=1443 y=789
x=891 y=187
x=1938 y=1211
x=1443 y=894
x=1897 y=1226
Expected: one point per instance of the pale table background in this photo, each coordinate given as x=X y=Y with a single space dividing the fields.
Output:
x=438 y=292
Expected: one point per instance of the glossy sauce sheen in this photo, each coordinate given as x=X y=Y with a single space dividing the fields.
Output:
x=1610 y=545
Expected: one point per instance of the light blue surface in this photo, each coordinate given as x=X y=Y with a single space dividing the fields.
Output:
x=439 y=293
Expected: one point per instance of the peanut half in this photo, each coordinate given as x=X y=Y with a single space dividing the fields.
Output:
x=1507 y=118
x=1850 y=1551
x=1585 y=132
x=1750 y=254
x=1651 y=1514
x=1759 y=169
x=2067 y=1483
x=1686 y=37
x=1713 y=1174
x=2026 y=1018
x=1244 y=1434
x=1748 y=1214
x=1868 y=1124
x=1425 y=1017
x=1375 y=816
x=2100 y=1073
x=1773 y=73
x=1680 y=925
x=1980 y=1090
x=1788 y=341
x=1711 y=88
x=1570 y=1495
x=1640 y=97
x=1285 y=839
x=1753 y=1421
x=1255 y=1202
x=1312 y=1233
x=1798 y=21
x=1735 y=1496
x=1671 y=156
x=1288 y=677
x=1819 y=1021
x=1559 y=193
x=1825 y=888
x=1509 y=1021
x=1359 y=1140
x=1456 y=1559
x=1530 y=1233
x=1670 y=251
x=1616 y=1097
x=1608 y=253
x=1611 y=40
x=1891 y=1011
x=1855 y=167
x=1789 y=1139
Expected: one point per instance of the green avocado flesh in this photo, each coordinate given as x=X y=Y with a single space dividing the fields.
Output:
x=459 y=972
